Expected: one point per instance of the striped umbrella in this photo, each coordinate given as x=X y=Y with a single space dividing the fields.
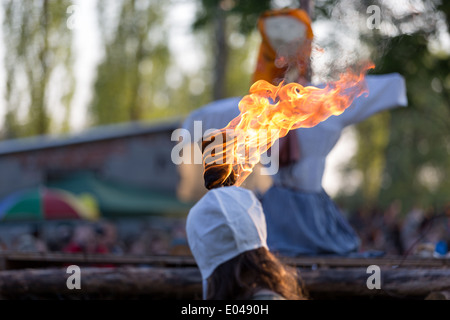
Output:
x=45 y=204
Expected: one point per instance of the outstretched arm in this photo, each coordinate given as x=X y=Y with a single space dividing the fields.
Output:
x=385 y=91
x=215 y=115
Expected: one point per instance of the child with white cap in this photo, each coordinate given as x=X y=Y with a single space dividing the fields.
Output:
x=226 y=232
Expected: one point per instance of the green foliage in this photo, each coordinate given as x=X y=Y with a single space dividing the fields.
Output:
x=417 y=158
x=228 y=63
x=410 y=162
x=247 y=11
x=373 y=135
x=241 y=65
x=132 y=82
x=133 y=62
x=37 y=43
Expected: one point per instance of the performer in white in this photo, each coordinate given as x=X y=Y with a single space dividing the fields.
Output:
x=301 y=218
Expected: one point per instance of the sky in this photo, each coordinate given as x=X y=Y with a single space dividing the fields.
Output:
x=88 y=52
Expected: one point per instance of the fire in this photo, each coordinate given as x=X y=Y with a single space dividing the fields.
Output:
x=268 y=113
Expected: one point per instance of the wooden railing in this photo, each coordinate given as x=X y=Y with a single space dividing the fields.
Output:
x=177 y=277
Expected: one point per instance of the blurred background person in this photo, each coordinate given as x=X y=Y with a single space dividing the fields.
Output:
x=84 y=240
x=108 y=238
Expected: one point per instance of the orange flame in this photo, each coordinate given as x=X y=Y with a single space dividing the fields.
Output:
x=268 y=113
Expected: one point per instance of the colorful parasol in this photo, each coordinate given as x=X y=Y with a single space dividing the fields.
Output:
x=45 y=204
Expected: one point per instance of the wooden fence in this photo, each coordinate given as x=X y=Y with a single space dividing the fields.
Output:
x=44 y=276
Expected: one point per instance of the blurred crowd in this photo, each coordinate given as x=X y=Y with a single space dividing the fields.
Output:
x=418 y=232
x=102 y=237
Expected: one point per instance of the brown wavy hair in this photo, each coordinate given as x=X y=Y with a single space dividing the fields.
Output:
x=241 y=277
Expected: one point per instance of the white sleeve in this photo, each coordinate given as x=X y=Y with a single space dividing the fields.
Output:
x=384 y=92
x=215 y=115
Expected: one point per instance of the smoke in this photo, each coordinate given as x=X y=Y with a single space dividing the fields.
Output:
x=355 y=31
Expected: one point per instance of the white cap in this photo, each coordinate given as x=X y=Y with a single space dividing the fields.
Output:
x=224 y=223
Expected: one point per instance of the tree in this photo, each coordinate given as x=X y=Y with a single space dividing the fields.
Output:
x=403 y=153
x=223 y=19
x=138 y=78
x=119 y=88
x=38 y=45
